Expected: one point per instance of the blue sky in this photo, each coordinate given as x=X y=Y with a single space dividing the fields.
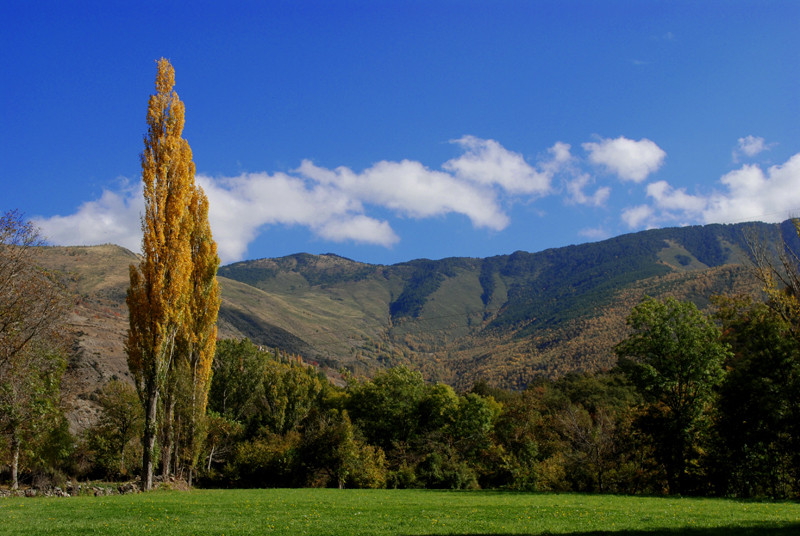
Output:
x=387 y=131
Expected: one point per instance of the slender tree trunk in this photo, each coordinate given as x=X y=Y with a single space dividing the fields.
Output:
x=123 y=433
x=210 y=457
x=191 y=440
x=14 y=461
x=177 y=467
x=149 y=439
x=167 y=439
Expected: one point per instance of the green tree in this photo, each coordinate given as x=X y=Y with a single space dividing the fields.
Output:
x=436 y=408
x=222 y=436
x=473 y=423
x=386 y=407
x=759 y=406
x=602 y=451
x=330 y=453
x=119 y=424
x=237 y=382
x=674 y=357
x=520 y=432
x=591 y=442
x=30 y=397
x=290 y=391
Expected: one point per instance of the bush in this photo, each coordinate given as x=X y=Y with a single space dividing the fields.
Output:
x=266 y=462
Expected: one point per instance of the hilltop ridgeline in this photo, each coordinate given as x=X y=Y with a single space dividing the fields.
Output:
x=506 y=319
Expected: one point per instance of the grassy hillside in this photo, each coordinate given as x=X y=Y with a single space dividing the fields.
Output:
x=506 y=319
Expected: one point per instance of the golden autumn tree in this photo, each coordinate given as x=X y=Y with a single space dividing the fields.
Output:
x=160 y=285
x=199 y=335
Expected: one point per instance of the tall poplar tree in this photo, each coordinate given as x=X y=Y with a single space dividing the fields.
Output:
x=200 y=329
x=160 y=285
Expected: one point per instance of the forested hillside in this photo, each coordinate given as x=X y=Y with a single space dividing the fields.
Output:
x=506 y=320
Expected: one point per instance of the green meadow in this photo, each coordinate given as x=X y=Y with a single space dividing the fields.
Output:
x=406 y=512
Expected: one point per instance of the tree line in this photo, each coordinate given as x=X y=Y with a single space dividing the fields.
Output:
x=699 y=405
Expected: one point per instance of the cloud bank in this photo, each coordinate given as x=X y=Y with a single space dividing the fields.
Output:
x=335 y=204
x=749 y=193
x=481 y=184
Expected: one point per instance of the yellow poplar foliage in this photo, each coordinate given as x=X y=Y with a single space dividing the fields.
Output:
x=157 y=296
x=160 y=286
x=203 y=305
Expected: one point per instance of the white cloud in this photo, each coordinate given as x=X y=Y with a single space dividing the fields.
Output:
x=629 y=159
x=594 y=233
x=576 y=187
x=636 y=217
x=752 y=194
x=668 y=198
x=410 y=189
x=359 y=229
x=489 y=163
x=750 y=146
x=560 y=159
x=560 y=152
x=239 y=207
x=112 y=219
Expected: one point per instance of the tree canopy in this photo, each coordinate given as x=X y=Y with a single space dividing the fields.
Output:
x=674 y=357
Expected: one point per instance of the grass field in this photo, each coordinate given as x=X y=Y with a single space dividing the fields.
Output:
x=405 y=512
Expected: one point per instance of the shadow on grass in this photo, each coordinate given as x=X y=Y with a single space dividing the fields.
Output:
x=754 y=530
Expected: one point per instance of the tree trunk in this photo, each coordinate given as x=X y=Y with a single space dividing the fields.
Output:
x=192 y=440
x=177 y=466
x=149 y=439
x=210 y=457
x=14 y=462
x=167 y=440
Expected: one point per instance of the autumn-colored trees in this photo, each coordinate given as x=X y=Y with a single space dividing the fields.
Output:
x=32 y=309
x=173 y=298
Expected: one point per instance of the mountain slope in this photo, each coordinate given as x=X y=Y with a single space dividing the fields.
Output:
x=506 y=319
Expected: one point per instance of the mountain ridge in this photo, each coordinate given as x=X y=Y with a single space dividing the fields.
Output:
x=444 y=310
x=506 y=319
